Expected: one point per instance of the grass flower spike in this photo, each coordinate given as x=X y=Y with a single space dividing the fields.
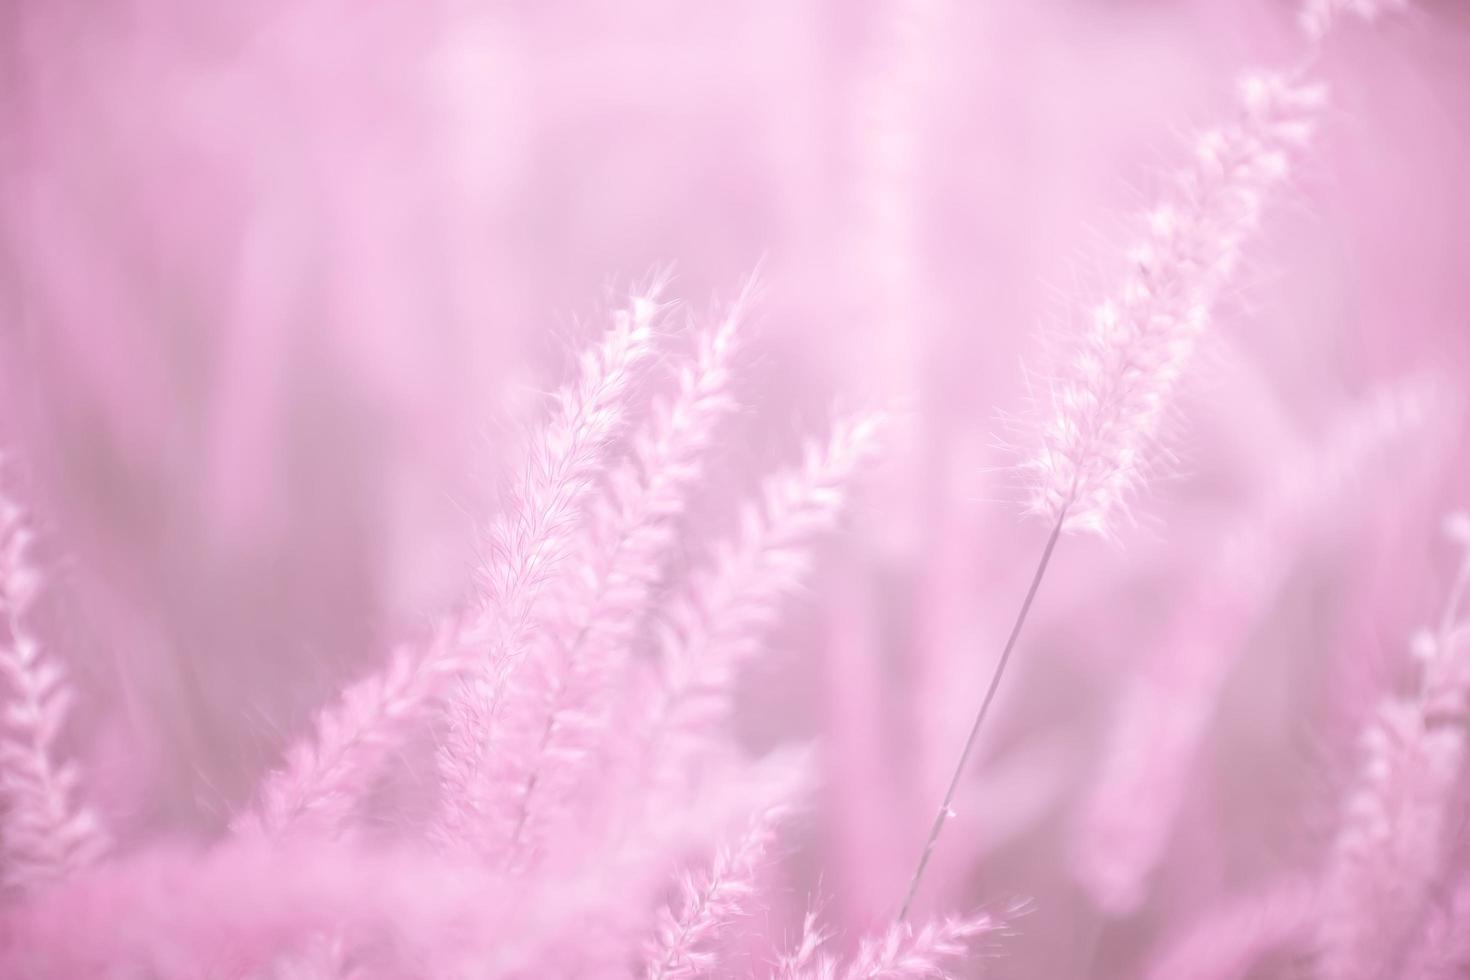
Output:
x=621 y=554
x=685 y=946
x=721 y=614
x=1108 y=403
x=1393 y=848
x=44 y=832
x=327 y=775
x=529 y=547
x=931 y=952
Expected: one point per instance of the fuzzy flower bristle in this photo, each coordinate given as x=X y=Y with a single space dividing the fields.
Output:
x=930 y=952
x=326 y=773
x=685 y=944
x=1108 y=402
x=1390 y=856
x=529 y=547
x=807 y=960
x=325 y=776
x=620 y=557
x=722 y=612
x=44 y=833
x=933 y=951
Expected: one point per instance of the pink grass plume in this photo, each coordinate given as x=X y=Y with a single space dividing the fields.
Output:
x=808 y=960
x=529 y=545
x=937 y=950
x=1391 y=853
x=621 y=554
x=933 y=951
x=710 y=901
x=721 y=613
x=45 y=833
x=327 y=774
x=1106 y=406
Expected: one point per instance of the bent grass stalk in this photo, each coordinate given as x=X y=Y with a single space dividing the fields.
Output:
x=944 y=812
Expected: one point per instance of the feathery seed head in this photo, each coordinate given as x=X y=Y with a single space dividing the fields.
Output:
x=1391 y=847
x=1110 y=397
x=44 y=833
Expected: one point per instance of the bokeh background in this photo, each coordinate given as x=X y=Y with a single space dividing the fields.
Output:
x=279 y=283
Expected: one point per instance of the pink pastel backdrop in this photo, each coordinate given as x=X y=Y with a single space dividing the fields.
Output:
x=279 y=280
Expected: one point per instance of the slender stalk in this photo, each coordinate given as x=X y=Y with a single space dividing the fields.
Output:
x=1000 y=668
